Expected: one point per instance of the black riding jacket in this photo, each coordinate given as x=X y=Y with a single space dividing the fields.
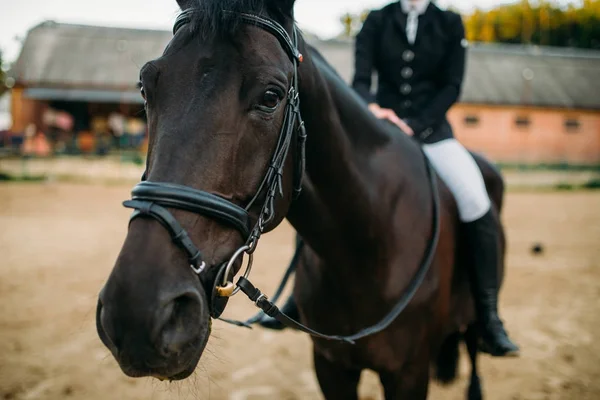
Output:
x=420 y=82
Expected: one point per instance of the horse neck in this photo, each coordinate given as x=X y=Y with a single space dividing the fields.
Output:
x=344 y=204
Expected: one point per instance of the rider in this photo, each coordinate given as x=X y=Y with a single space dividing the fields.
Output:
x=418 y=52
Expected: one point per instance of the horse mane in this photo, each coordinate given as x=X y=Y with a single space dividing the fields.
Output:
x=323 y=63
x=222 y=17
x=355 y=108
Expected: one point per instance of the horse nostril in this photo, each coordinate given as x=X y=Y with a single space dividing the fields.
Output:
x=178 y=323
x=105 y=328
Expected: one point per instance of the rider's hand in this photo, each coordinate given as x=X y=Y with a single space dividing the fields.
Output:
x=390 y=115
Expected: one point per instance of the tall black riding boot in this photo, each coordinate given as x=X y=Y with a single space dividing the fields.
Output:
x=483 y=246
x=289 y=308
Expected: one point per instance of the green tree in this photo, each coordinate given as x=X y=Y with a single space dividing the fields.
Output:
x=474 y=25
x=347 y=21
x=488 y=30
x=352 y=23
x=3 y=87
x=543 y=22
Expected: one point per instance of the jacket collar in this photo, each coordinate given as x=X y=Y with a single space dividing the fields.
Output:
x=399 y=17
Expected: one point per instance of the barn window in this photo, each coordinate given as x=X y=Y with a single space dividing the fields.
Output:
x=522 y=121
x=572 y=124
x=471 y=120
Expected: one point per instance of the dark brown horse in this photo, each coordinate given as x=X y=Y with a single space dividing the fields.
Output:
x=225 y=152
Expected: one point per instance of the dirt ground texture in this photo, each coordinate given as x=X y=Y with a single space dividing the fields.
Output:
x=58 y=243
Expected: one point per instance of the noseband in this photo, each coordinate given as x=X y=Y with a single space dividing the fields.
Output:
x=150 y=199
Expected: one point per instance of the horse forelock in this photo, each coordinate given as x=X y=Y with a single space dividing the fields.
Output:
x=223 y=17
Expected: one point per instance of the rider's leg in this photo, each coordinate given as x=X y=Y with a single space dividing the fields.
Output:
x=457 y=168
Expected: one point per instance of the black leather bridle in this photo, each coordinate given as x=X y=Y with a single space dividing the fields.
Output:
x=149 y=199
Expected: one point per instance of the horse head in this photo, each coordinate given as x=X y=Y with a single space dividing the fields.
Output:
x=222 y=110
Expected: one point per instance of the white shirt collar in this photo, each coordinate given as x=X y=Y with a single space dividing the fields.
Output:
x=420 y=7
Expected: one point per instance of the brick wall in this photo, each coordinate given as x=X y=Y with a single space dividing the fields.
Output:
x=528 y=135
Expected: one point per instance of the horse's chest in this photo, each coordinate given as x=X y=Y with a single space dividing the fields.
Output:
x=385 y=351
x=381 y=351
x=339 y=312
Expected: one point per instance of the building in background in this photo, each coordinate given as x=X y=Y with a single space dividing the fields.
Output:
x=520 y=104
x=77 y=85
x=531 y=104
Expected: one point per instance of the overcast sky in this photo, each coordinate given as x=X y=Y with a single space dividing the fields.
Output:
x=317 y=16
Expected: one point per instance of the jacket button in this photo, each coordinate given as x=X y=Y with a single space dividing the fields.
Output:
x=406 y=104
x=405 y=88
x=406 y=72
x=408 y=55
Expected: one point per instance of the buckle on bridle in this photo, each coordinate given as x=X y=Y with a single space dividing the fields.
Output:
x=198 y=269
x=261 y=297
x=293 y=97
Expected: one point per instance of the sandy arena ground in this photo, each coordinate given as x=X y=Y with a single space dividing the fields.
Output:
x=58 y=243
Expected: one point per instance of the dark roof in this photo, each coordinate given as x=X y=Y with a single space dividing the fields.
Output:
x=93 y=57
x=69 y=55
x=542 y=76
x=510 y=74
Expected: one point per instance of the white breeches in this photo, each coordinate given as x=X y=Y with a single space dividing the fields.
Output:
x=457 y=168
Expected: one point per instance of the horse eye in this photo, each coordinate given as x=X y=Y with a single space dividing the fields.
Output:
x=270 y=99
x=142 y=92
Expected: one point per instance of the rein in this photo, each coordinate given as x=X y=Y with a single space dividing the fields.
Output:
x=269 y=308
x=151 y=199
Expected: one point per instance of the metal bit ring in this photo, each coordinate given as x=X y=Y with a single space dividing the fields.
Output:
x=238 y=253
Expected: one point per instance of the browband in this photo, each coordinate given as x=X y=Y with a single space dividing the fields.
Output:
x=264 y=23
